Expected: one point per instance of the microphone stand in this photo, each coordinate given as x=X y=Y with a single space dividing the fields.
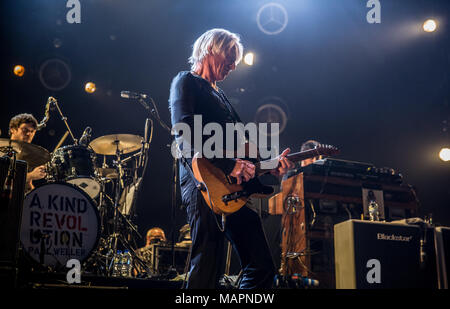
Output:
x=63 y=118
x=154 y=113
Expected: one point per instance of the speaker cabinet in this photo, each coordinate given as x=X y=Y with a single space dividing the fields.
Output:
x=10 y=218
x=372 y=255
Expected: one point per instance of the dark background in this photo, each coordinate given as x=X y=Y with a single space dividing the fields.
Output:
x=380 y=92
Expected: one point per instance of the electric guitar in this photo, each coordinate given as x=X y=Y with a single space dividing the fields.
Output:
x=222 y=193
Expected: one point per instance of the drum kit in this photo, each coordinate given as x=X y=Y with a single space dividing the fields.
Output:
x=82 y=211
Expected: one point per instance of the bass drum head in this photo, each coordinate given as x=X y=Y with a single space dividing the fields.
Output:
x=62 y=220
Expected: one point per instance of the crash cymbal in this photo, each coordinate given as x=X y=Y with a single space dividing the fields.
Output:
x=33 y=154
x=108 y=144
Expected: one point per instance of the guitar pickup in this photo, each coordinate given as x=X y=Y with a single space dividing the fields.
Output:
x=234 y=196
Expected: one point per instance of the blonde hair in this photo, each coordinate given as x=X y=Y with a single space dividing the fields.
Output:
x=216 y=42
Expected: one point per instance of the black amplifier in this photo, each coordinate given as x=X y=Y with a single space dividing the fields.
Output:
x=10 y=219
x=372 y=255
x=352 y=170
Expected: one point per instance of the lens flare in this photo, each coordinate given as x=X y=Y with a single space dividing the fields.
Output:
x=19 y=70
x=90 y=87
x=444 y=154
x=429 y=25
x=249 y=58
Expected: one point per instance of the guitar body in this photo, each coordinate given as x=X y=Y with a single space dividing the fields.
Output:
x=219 y=186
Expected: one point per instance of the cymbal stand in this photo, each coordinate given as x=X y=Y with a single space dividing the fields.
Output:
x=116 y=235
x=103 y=207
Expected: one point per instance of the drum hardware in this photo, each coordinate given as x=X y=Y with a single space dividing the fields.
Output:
x=121 y=225
x=64 y=119
x=42 y=237
x=43 y=123
x=51 y=101
x=75 y=164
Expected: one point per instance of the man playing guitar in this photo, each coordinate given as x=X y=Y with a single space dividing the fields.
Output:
x=215 y=54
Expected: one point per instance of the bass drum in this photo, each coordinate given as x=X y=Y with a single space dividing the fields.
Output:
x=60 y=222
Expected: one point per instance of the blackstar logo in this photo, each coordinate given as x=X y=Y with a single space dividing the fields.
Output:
x=382 y=236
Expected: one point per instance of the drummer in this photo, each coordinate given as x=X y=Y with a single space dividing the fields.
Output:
x=22 y=128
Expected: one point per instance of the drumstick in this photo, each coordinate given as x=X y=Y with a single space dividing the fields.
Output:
x=61 y=140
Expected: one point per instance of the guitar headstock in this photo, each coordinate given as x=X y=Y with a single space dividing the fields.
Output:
x=326 y=150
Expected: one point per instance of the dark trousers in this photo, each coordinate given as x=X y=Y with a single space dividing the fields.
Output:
x=245 y=232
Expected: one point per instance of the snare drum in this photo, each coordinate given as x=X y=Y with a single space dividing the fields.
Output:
x=61 y=219
x=76 y=165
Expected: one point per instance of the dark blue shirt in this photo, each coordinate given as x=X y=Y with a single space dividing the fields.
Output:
x=192 y=95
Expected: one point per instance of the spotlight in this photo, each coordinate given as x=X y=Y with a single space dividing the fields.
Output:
x=90 y=87
x=19 y=70
x=57 y=42
x=429 y=25
x=444 y=154
x=248 y=58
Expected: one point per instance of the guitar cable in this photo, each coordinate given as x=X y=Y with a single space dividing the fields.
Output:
x=221 y=228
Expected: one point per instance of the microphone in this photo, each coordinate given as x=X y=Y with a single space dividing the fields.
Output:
x=145 y=143
x=86 y=137
x=132 y=95
x=147 y=125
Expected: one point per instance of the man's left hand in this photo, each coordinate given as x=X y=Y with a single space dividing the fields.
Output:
x=285 y=164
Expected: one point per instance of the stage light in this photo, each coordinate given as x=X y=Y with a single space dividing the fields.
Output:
x=444 y=154
x=19 y=70
x=90 y=87
x=248 y=58
x=429 y=25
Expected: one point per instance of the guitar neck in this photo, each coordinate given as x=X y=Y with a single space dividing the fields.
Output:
x=272 y=164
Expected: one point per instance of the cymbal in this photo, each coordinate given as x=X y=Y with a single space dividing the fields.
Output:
x=108 y=144
x=33 y=154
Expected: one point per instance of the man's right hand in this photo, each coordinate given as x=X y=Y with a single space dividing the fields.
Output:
x=37 y=173
x=243 y=171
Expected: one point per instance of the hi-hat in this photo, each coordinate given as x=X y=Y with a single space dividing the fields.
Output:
x=34 y=155
x=109 y=144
